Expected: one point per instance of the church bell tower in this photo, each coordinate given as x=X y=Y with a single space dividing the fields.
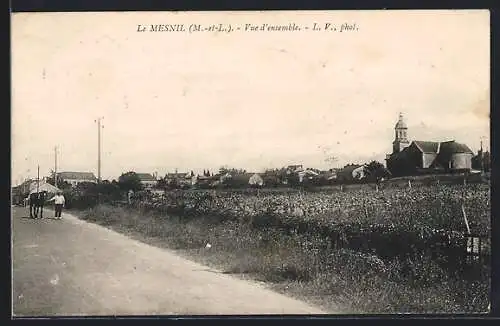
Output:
x=400 y=135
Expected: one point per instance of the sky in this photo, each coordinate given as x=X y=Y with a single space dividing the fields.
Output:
x=250 y=100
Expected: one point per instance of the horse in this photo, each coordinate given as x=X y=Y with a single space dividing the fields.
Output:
x=37 y=200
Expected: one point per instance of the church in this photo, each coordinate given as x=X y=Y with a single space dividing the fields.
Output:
x=425 y=157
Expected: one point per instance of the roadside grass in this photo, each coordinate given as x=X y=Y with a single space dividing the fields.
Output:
x=299 y=265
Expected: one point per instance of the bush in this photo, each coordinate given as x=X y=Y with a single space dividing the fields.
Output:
x=87 y=195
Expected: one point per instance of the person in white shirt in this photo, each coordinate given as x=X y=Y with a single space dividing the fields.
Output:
x=59 y=202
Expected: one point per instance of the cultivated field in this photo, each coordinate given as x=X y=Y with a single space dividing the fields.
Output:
x=393 y=250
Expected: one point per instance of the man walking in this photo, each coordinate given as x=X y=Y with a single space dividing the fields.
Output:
x=59 y=202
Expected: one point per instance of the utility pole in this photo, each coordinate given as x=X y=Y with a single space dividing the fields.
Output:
x=481 y=155
x=38 y=180
x=99 y=148
x=55 y=166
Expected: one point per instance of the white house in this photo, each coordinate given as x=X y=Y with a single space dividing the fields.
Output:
x=74 y=178
x=147 y=180
x=307 y=174
x=359 y=173
x=256 y=180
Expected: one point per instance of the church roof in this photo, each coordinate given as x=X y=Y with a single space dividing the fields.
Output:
x=454 y=147
x=449 y=147
x=427 y=146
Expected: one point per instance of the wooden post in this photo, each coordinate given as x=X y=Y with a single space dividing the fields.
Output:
x=465 y=218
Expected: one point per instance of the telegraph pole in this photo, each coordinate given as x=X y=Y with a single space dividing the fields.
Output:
x=99 y=127
x=55 y=166
x=38 y=179
x=481 y=158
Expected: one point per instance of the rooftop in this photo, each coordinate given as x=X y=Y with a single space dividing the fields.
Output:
x=146 y=177
x=77 y=176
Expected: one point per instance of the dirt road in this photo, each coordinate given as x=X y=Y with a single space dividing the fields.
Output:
x=71 y=267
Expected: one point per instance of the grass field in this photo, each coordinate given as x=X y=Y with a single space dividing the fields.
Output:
x=259 y=236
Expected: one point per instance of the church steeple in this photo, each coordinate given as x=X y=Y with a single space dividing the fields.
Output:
x=400 y=135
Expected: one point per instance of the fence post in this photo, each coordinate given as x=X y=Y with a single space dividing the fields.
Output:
x=465 y=218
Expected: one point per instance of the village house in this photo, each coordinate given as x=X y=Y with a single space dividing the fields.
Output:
x=20 y=192
x=359 y=172
x=205 y=181
x=349 y=172
x=75 y=178
x=148 y=180
x=182 y=179
x=424 y=157
x=256 y=180
x=307 y=174
x=328 y=176
x=295 y=168
x=242 y=179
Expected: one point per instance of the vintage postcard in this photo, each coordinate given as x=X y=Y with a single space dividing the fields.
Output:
x=234 y=163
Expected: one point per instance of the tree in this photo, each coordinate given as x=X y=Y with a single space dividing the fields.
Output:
x=87 y=186
x=272 y=178
x=376 y=171
x=109 y=189
x=162 y=183
x=130 y=181
x=174 y=184
x=224 y=169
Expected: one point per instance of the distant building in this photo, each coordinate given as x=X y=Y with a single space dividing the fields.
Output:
x=294 y=168
x=400 y=135
x=205 y=181
x=75 y=178
x=329 y=175
x=423 y=157
x=347 y=172
x=359 y=173
x=242 y=179
x=256 y=180
x=307 y=174
x=148 y=180
x=180 y=178
x=482 y=161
